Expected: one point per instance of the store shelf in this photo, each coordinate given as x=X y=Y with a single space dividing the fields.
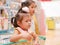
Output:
x=3 y=31
x=6 y=31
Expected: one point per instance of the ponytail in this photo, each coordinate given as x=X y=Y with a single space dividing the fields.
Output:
x=14 y=22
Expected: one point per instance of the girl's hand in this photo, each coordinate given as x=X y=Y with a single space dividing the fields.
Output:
x=36 y=44
x=26 y=35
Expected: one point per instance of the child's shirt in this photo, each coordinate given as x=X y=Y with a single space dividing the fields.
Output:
x=22 y=31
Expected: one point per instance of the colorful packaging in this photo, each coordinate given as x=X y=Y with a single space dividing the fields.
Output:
x=5 y=24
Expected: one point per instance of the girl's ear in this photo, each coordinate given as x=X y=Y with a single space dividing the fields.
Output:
x=19 y=23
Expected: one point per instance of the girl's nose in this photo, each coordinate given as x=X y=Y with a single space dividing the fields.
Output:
x=29 y=22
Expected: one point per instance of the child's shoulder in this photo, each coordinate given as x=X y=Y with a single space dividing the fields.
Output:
x=31 y=32
x=19 y=30
x=16 y=30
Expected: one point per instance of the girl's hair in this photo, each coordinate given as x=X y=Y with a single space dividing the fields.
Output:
x=2 y=11
x=18 y=17
x=27 y=3
x=21 y=12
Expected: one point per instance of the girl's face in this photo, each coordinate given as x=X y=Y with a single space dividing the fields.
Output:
x=32 y=8
x=26 y=23
x=1 y=3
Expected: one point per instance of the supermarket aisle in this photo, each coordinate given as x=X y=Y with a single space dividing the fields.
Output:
x=53 y=37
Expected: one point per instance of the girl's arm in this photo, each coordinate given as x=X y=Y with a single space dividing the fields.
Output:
x=16 y=36
x=35 y=38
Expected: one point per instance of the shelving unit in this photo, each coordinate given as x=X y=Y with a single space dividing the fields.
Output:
x=2 y=32
x=10 y=13
x=6 y=34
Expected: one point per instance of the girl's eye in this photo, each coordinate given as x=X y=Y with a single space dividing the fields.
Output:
x=26 y=21
x=32 y=7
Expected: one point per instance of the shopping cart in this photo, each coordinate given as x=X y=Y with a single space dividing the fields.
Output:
x=6 y=41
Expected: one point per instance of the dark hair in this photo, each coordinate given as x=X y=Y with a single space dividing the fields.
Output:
x=27 y=3
x=2 y=11
x=18 y=17
x=14 y=22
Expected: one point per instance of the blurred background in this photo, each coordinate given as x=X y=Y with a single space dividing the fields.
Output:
x=52 y=13
x=47 y=13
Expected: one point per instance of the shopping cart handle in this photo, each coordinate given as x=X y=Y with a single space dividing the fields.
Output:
x=42 y=37
x=20 y=41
